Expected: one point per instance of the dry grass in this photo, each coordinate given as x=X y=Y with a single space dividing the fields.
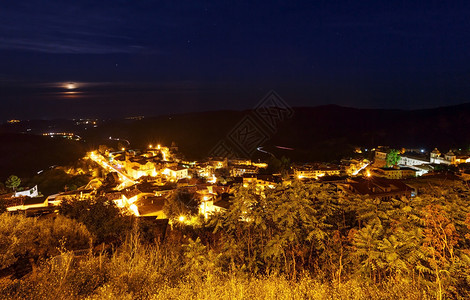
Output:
x=149 y=272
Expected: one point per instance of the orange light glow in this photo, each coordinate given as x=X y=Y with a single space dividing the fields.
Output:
x=134 y=210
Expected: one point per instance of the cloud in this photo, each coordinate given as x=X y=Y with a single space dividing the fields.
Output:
x=56 y=27
x=67 y=46
x=60 y=90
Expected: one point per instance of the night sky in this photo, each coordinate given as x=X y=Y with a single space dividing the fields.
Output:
x=122 y=58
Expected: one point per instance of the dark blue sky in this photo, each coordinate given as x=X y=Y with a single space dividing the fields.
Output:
x=149 y=57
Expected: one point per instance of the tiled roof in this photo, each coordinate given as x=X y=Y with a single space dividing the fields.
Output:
x=378 y=185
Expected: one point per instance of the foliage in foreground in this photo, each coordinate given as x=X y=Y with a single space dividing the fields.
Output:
x=291 y=242
x=136 y=271
x=101 y=216
x=22 y=237
x=318 y=229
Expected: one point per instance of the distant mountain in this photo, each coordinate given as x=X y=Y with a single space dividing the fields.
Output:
x=316 y=133
x=25 y=154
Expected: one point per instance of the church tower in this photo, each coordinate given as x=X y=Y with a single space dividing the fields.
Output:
x=434 y=155
x=450 y=156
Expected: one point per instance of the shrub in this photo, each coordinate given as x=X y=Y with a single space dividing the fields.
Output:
x=38 y=238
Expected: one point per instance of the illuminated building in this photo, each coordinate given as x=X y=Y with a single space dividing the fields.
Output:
x=448 y=159
x=313 y=172
x=33 y=192
x=408 y=160
x=353 y=167
x=240 y=170
x=260 y=181
x=218 y=163
x=176 y=172
x=30 y=205
x=380 y=158
x=139 y=167
x=151 y=206
x=395 y=173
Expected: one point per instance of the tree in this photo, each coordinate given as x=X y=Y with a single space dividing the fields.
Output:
x=393 y=157
x=277 y=230
x=101 y=217
x=159 y=156
x=281 y=166
x=2 y=189
x=22 y=237
x=222 y=173
x=13 y=182
x=440 y=239
x=182 y=203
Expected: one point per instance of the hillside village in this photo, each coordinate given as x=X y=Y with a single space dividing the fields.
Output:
x=139 y=182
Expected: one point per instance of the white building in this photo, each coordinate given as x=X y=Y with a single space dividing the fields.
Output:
x=33 y=192
x=176 y=173
x=412 y=161
x=448 y=159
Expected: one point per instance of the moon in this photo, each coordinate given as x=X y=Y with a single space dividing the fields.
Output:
x=70 y=86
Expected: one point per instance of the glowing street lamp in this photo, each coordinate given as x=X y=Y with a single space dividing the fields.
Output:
x=213 y=179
